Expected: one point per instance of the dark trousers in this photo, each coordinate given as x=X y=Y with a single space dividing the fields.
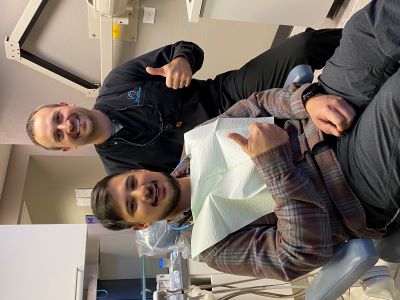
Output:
x=271 y=68
x=364 y=71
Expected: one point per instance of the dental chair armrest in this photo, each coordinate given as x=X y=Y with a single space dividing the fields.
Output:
x=350 y=261
x=299 y=74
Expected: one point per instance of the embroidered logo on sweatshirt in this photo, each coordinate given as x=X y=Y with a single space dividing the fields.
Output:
x=136 y=96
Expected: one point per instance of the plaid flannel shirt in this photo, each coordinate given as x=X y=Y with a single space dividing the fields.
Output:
x=315 y=208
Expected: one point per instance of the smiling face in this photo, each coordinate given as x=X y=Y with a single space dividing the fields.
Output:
x=64 y=126
x=142 y=196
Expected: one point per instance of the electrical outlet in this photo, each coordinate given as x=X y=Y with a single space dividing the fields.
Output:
x=149 y=14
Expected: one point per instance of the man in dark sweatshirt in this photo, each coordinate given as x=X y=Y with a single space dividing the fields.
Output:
x=146 y=104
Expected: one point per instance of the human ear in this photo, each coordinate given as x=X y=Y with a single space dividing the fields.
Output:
x=140 y=226
x=65 y=149
x=62 y=103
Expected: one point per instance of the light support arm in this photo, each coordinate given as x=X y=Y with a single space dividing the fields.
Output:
x=13 y=48
x=106 y=46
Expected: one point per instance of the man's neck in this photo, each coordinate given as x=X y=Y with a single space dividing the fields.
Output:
x=103 y=126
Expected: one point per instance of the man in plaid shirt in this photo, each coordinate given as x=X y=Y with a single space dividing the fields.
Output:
x=313 y=177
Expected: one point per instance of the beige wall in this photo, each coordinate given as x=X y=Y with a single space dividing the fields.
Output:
x=25 y=217
x=16 y=176
x=49 y=187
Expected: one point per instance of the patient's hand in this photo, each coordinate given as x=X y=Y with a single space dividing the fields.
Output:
x=331 y=114
x=262 y=137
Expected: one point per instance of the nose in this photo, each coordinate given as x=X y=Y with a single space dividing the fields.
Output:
x=142 y=193
x=66 y=126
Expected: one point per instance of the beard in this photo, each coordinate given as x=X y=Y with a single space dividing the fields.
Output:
x=176 y=194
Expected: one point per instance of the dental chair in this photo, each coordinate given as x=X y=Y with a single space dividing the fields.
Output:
x=299 y=74
x=355 y=259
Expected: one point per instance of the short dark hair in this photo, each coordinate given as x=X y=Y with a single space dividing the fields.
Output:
x=30 y=123
x=102 y=206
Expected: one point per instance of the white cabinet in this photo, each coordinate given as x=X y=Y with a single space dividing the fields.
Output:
x=280 y=12
x=40 y=262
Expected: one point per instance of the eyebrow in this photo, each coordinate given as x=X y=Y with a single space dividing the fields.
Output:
x=128 y=181
x=53 y=119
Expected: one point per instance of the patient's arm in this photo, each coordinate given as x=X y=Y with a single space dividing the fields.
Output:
x=280 y=103
x=301 y=240
x=326 y=111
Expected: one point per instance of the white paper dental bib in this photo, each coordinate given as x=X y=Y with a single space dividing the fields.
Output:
x=227 y=190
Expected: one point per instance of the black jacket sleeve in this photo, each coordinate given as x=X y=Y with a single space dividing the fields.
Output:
x=135 y=69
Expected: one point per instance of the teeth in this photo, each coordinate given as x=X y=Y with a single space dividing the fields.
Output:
x=78 y=126
x=156 y=192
